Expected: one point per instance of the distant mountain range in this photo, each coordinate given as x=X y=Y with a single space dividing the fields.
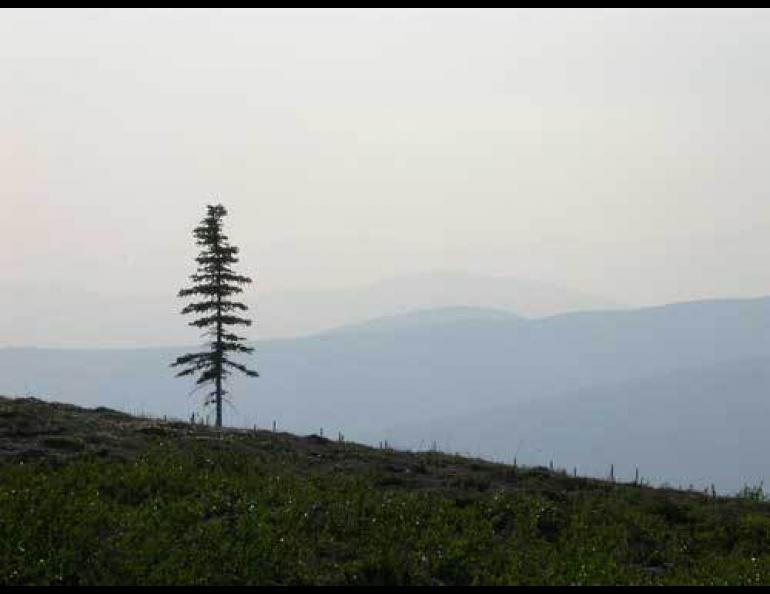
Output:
x=65 y=317
x=682 y=390
x=301 y=312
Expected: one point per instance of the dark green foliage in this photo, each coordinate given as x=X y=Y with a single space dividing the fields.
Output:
x=198 y=513
x=172 y=503
x=215 y=283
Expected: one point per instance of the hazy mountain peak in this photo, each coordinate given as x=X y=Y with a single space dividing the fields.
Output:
x=429 y=317
x=306 y=312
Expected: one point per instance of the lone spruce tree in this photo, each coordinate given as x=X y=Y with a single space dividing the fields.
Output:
x=214 y=284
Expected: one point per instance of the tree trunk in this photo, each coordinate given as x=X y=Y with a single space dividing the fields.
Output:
x=219 y=400
x=220 y=355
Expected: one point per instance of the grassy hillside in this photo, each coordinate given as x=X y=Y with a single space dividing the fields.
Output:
x=99 y=497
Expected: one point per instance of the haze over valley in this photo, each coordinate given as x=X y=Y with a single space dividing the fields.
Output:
x=677 y=391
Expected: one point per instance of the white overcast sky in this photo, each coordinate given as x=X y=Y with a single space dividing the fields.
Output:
x=621 y=153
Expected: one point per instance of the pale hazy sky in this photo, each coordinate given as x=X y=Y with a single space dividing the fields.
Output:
x=619 y=153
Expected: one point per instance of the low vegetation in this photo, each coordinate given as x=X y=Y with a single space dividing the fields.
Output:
x=99 y=497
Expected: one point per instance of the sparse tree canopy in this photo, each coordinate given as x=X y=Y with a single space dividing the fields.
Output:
x=214 y=284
